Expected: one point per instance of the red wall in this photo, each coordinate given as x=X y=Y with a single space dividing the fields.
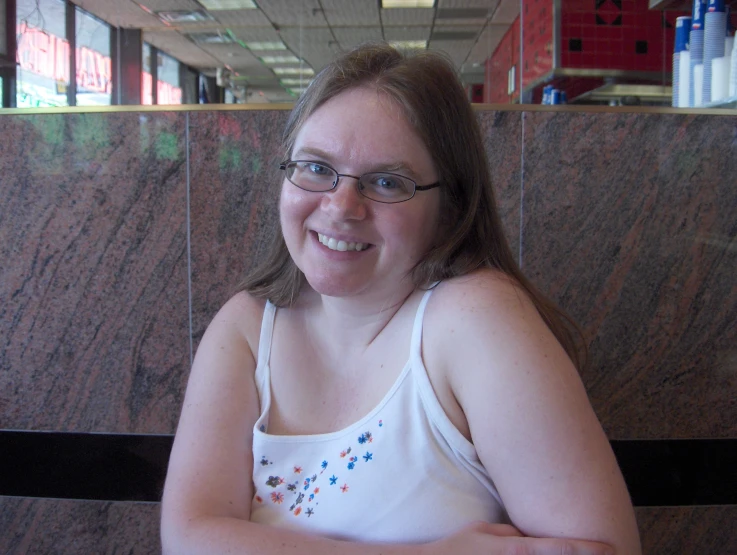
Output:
x=497 y=68
x=617 y=34
x=537 y=50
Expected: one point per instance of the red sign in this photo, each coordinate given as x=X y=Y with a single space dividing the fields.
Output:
x=48 y=55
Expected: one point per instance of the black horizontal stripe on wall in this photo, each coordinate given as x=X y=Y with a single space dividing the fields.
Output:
x=118 y=467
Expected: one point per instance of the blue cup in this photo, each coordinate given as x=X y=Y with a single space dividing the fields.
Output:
x=683 y=31
x=715 y=6
x=697 y=16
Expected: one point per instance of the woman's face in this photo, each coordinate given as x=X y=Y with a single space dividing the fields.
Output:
x=356 y=132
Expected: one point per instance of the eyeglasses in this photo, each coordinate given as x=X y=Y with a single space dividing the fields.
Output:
x=378 y=186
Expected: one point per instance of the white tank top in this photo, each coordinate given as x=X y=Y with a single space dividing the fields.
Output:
x=401 y=474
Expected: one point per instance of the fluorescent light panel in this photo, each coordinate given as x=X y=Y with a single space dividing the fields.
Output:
x=293 y=70
x=179 y=16
x=278 y=45
x=409 y=44
x=271 y=60
x=216 y=5
x=407 y=3
x=292 y=81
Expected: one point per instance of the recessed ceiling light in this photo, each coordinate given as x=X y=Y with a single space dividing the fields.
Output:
x=210 y=37
x=181 y=16
x=293 y=70
x=228 y=4
x=292 y=82
x=278 y=45
x=407 y=3
x=271 y=60
x=409 y=44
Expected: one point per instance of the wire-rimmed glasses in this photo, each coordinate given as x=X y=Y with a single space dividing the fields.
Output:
x=385 y=187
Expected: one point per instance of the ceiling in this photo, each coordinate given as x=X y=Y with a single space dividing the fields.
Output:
x=311 y=32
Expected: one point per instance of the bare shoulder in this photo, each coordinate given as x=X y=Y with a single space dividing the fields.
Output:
x=240 y=316
x=474 y=307
x=480 y=289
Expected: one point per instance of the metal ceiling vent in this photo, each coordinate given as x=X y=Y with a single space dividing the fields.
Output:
x=211 y=37
x=181 y=16
x=462 y=13
x=453 y=35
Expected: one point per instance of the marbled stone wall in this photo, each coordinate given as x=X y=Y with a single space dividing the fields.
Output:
x=122 y=233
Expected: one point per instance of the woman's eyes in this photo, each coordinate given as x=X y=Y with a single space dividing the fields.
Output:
x=387 y=182
x=319 y=169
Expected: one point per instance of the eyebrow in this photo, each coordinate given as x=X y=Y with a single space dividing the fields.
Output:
x=394 y=166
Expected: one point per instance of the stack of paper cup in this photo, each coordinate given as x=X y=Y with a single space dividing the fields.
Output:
x=733 y=69
x=698 y=82
x=720 y=78
x=681 y=63
x=715 y=29
x=696 y=46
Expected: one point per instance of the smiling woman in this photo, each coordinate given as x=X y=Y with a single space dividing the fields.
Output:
x=388 y=381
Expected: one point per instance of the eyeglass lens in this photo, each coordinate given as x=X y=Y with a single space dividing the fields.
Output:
x=379 y=186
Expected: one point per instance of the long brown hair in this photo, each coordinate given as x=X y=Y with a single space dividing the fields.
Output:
x=426 y=88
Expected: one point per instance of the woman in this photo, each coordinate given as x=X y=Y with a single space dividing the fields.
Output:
x=412 y=393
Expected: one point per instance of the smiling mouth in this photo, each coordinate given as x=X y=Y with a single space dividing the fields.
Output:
x=342 y=246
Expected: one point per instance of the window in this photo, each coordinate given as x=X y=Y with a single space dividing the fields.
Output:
x=94 y=67
x=43 y=54
x=168 y=89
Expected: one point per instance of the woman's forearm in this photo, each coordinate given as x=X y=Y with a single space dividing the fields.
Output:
x=216 y=535
x=213 y=535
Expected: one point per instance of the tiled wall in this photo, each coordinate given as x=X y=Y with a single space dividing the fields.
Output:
x=122 y=233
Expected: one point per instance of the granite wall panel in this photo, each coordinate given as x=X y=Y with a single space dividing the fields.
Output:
x=502 y=133
x=66 y=527
x=629 y=223
x=94 y=318
x=626 y=219
x=234 y=187
x=687 y=530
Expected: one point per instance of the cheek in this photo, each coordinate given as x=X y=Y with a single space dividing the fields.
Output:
x=293 y=207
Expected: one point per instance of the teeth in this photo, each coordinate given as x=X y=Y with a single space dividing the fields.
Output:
x=342 y=246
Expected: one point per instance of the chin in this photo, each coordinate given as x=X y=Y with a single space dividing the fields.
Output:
x=332 y=286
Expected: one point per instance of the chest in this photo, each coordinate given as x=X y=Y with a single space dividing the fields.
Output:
x=315 y=390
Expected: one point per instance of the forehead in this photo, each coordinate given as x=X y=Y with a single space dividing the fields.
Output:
x=362 y=126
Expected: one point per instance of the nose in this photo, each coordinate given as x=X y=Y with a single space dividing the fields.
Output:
x=345 y=202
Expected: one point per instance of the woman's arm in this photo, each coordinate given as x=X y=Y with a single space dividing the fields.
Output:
x=208 y=491
x=528 y=414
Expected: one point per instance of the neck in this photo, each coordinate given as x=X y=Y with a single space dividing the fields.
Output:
x=355 y=322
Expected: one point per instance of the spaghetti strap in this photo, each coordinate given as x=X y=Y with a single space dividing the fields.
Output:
x=416 y=342
x=267 y=330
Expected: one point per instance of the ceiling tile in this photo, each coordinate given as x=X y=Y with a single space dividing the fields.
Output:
x=255 y=34
x=121 y=14
x=350 y=37
x=167 y=5
x=351 y=12
x=407 y=16
x=487 y=43
x=305 y=13
x=446 y=4
x=180 y=48
x=456 y=50
x=407 y=33
x=309 y=43
x=242 y=18
x=506 y=12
